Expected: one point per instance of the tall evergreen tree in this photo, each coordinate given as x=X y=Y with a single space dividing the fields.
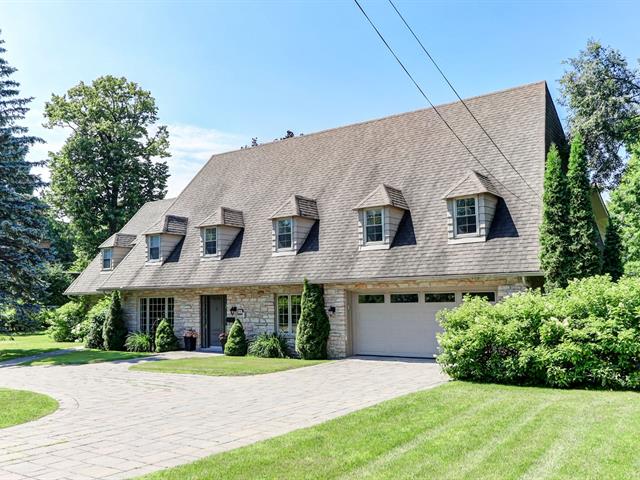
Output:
x=612 y=253
x=585 y=257
x=312 y=333
x=554 y=236
x=110 y=164
x=22 y=221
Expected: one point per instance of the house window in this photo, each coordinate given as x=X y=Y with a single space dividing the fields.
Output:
x=289 y=308
x=284 y=233
x=371 y=298
x=439 y=297
x=404 y=298
x=489 y=296
x=210 y=241
x=154 y=309
x=154 y=247
x=466 y=221
x=107 y=258
x=373 y=225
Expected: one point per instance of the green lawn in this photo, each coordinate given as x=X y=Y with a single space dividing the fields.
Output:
x=459 y=430
x=222 y=365
x=84 y=356
x=19 y=406
x=27 y=345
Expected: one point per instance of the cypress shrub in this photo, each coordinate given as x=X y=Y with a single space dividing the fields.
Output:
x=166 y=340
x=554 y=234
x=236 y=345
x=313 y=328
x=612 y=253
x=114 y=332
x=96 y=319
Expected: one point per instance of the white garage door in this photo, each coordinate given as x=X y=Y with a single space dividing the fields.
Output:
x=399 y=324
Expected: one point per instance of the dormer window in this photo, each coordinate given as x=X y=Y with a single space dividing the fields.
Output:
x=373 y=222
x=285 y=233
x=107 y=258
x=466 y=216
x=154 y=247
x=210 y=240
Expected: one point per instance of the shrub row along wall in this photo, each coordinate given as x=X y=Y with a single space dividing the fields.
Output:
x=587 y=335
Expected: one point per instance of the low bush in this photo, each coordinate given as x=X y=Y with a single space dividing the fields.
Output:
x=236 y=345
x=114 y=331
x=63 y=320
x=139 y=342
x=586 y=335
x=95 y=319
x=166 y=340
x=269 y=345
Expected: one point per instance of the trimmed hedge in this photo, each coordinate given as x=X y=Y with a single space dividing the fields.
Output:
x=586 y=335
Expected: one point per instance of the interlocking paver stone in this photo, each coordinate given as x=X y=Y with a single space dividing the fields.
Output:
x=117 y=423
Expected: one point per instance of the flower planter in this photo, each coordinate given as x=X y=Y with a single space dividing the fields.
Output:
x=189 y=344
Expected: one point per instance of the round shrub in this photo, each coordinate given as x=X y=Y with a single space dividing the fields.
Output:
x=236 y=345
x=586 y=335
x=312 y=332
x=269 y=345
x=63 y=319
x=166 y=340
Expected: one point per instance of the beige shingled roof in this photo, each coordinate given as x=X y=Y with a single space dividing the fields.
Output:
x=118 y=240
x=383 y=196
x=170 y=224
x=224 y=216
x=297 y=206
x=338 y=168
x=472 y=184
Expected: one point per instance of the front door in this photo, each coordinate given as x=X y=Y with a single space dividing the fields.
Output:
x=212 y=319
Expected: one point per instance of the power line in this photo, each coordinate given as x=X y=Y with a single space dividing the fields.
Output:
x=460 y=98
x=431 y=103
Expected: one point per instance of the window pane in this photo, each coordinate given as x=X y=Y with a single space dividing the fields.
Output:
x=296 y=309
x=404 y=298
x=284 y=233
x=283 y=313
x=170 y=307
x=439 y=297
x=466 y=216
x=374 y=233
x=154 y=241
x=371 y=298
x=489 y=296
x=154 y=247
x=210 y=241
x=374 y=217
x=157 y=311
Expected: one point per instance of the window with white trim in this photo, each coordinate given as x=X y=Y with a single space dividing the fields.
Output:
x=210 y=241
x=284 y=233
x=466 y=216
x=107 y=258
x=154 y=247
x=289 y=309
x=154 y=309
x=373 y=222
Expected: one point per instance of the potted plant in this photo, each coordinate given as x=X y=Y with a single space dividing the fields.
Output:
x=223 y=339
x=190 y=337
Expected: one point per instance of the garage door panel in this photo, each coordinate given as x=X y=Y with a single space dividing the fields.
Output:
x=397 y=329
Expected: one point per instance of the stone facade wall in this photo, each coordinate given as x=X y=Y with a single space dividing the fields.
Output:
x=259 y=304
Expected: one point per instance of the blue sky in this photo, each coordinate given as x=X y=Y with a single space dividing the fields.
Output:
x=223 y=72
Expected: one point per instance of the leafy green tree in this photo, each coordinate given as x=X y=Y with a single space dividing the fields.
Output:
x=554 y=235
x=602 y=95
x=237 y=344
x=625 y=207
x=585 y=257
x=108 y=167
x=612 y=253
x=114 y=333
x=22 y=214
x=166 y=340
x=313 y=328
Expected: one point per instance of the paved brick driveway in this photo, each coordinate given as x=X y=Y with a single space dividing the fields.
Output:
x=116 y=423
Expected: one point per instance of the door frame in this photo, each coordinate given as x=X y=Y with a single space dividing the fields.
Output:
x=205 y=317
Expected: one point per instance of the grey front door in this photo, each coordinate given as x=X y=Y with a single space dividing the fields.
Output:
x=213 y=314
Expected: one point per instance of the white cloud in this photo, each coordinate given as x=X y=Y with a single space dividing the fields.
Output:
x=190 y=146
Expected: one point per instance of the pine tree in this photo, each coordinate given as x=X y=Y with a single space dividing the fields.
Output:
x=114 y=332
x=612 y=254
x=554 y=238
x=237 y=344
x=313 y=328
x=585 y=257
x=22 y=220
